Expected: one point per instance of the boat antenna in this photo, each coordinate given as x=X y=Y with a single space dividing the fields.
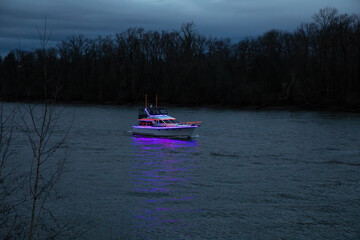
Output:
x=156 y=101
x=145 y=100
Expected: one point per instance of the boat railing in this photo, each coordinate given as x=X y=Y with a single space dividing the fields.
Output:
x=197 y=123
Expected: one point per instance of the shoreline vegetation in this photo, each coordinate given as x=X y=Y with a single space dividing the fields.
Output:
x=315 y=67
x=264 y=107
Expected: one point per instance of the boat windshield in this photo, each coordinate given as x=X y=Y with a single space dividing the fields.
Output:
x=152 y=111
x=157 y=111
x=142 y=113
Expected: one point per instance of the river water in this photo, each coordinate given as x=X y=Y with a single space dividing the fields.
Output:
x=247 y=175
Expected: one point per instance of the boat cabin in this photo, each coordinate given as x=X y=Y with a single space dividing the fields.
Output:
x=157 y=122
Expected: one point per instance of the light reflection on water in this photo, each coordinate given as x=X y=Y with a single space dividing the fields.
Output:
x=161 y=175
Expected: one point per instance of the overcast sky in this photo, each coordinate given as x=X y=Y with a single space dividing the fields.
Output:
x=218 y=18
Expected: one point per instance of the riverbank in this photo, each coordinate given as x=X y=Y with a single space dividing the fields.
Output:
x=262 y=107
x=276 y=107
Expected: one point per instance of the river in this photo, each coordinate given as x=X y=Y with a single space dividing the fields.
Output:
x=246 y=175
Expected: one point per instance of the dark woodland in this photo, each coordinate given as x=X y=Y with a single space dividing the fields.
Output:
x=315 y=65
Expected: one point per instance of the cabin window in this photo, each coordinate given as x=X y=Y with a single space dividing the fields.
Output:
x=145 y=123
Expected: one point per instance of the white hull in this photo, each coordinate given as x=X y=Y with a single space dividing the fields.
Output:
x=177 y=131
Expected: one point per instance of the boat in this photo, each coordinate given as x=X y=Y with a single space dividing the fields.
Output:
x=154 y=121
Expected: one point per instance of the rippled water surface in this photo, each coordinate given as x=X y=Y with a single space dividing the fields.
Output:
x=248 y=175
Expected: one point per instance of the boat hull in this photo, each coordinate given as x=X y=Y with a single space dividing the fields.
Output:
x=178 y=131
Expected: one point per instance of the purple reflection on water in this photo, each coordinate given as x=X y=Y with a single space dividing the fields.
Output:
x=169 y=157
x=154 y=143
x=161 y=179
x=170 y=199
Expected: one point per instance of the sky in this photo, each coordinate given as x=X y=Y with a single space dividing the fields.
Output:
x=235 y=19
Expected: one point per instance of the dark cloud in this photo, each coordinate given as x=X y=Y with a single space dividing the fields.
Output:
x=19 y=19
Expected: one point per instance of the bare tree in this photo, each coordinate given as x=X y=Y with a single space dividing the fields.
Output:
x=40 y=125
x=41 y=128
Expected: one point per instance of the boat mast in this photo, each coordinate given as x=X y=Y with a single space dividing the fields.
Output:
x=145 y=100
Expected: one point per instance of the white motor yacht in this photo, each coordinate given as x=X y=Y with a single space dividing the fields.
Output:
x=157 y=122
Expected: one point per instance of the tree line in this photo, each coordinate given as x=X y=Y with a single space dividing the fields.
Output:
x=316 y=64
